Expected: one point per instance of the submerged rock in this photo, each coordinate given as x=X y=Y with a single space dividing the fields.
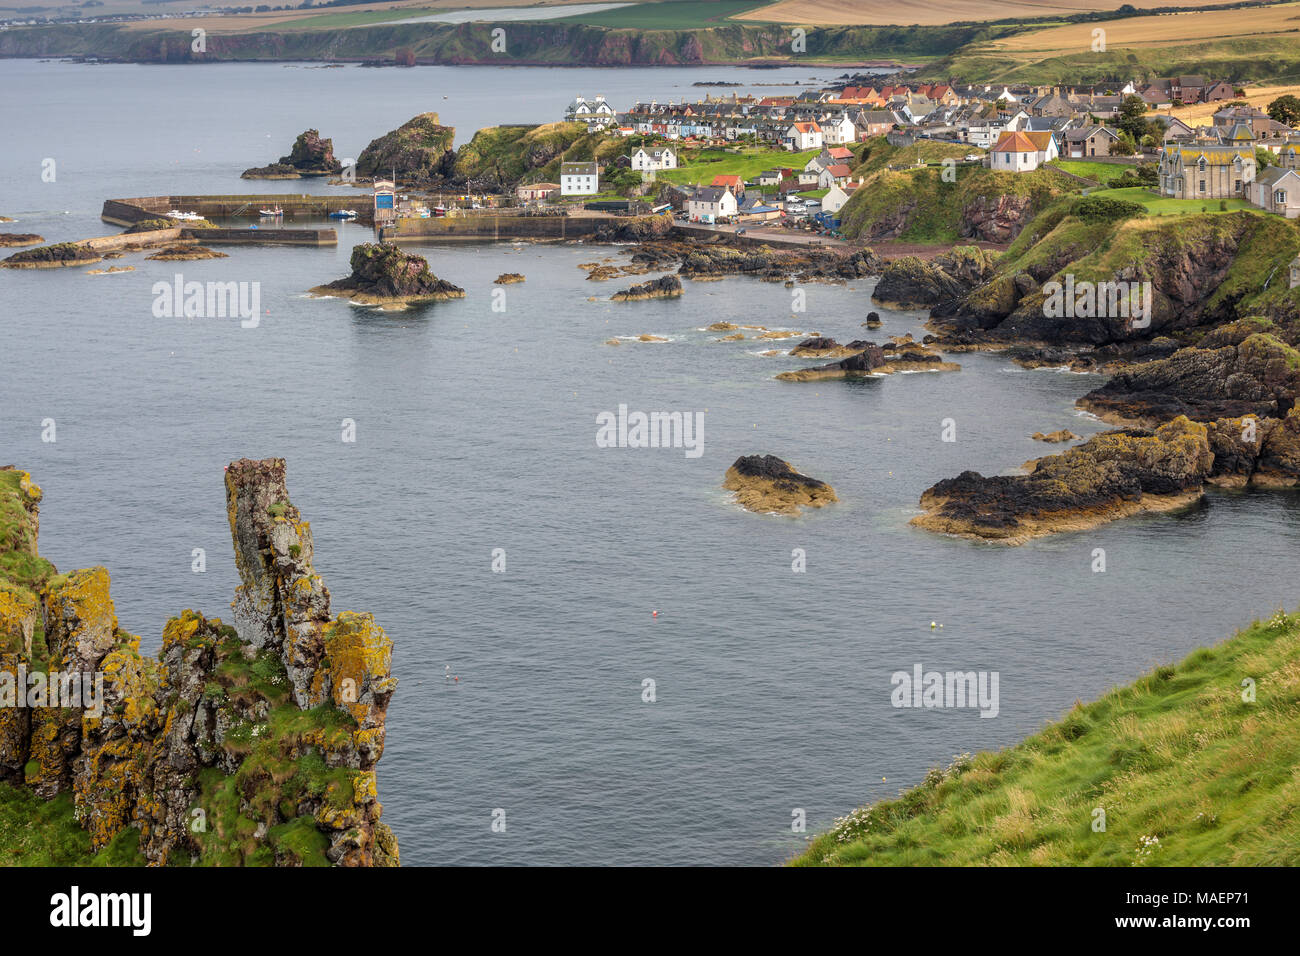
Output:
x=186 y=254
x=765 y=483
x=507 y=278
x=1056 y=437
x=383 y=274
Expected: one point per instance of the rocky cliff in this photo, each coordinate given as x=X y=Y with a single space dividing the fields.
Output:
x=418 y=150
x=252 y=743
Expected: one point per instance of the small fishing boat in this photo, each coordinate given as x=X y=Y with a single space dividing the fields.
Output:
x=344 y=214
x=275 y=213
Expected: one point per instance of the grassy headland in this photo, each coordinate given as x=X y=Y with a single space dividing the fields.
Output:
x=1185 y=768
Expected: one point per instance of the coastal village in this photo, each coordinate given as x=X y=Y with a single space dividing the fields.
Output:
x=704 y=159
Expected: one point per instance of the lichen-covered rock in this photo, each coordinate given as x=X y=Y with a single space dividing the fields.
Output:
x=312 y=155
x=229 y=748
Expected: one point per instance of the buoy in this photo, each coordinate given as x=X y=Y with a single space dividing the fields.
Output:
x=654 y=613
x=933 y=625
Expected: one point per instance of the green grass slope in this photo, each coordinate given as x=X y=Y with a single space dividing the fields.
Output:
x=1187 y=772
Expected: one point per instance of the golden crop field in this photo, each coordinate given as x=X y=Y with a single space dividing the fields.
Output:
x=1157 y=31
x=936 y=13
x=1202 y=114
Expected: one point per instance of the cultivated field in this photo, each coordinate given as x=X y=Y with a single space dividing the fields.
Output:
x=1157 y=31
x=935 y=13
x=1202 y=114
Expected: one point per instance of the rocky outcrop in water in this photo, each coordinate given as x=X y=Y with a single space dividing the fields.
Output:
x=508 y=278
x=765 y=484
x=13 y=240
x=59 y=255
x=1110 y=476
x=311 y=155
x=252 y=744
x=665 y=287
x=383 y=274
x=418 y=150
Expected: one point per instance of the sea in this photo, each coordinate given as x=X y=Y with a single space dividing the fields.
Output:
x=595 y=645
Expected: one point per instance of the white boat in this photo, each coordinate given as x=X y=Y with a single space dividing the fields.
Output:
x=183 y=216
x=344 y=214
x=271 y=213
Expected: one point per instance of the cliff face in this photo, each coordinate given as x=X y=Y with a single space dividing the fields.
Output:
x=247 y=745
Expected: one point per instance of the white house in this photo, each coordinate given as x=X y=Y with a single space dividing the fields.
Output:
x=833 y=175
x=595 y=113
x=803 y=136
x=711 y=203
x=654 y=159
x=579 y=179
x=1019 y=152
x=838 y=130
x=838 y=195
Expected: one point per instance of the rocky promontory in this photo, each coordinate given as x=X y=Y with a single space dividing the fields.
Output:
x=665 y=287
x=383 y=274
x=912 y=283
x=1235 y=370
x=765 y=484
x=1112 y=475
x=252 y=743
x=418 y=150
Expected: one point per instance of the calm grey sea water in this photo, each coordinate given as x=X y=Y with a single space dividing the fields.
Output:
x=476 y=431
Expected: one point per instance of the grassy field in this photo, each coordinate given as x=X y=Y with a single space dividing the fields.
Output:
x=668 y=15
x=1186 y=772
x=700 y=166
x=1101 y=172
x=1158 y=206
x=935 y=13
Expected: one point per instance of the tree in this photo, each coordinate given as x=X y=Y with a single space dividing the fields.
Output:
x=1124 y=146
x=1263 y=157
x=1285 y=109
x=1132 y=117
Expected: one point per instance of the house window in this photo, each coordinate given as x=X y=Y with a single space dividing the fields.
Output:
x=1279 y=197
x=1236 y=186
x=1202 y=185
